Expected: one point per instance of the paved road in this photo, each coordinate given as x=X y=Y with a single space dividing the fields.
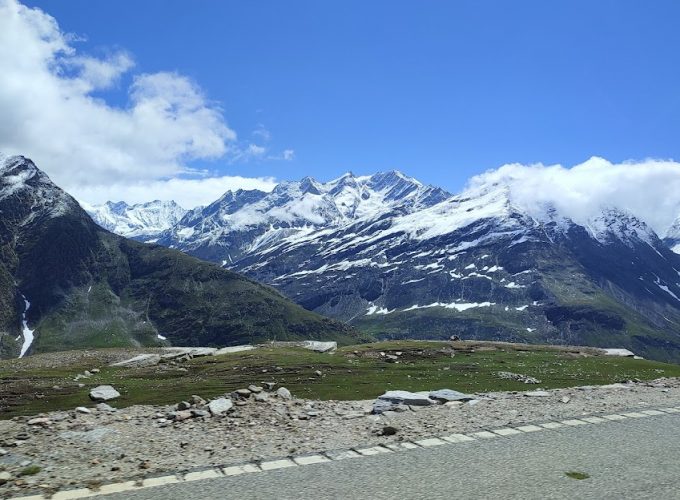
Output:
x=631 y=459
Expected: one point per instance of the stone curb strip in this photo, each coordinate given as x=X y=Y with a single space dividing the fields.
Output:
x=330 y=456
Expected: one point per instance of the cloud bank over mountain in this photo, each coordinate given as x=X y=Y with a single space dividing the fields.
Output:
x=53 y=110
x=650 y=188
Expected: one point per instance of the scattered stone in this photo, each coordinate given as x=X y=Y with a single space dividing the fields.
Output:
x=565 y=399
x=44 y=421
x=243 y=393
x=5 y=477
x=261 y=397
x=104 y=393
x=82 y=409
x=197 y=400
x=254 y=389
x=183 y=405
x=269 y=385
x=407 y=398
x=95 y=370
x=200 y=413
x=283 y=393
x=388 y=430
x=220 y=406
x=3 y=452
x=179 y=416
x=105 y=407
x=318 y=373
x=518 y=377
x=443 y=395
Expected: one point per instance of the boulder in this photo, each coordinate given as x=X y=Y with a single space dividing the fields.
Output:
x=254 y=389
x=139 y=361
x=315 y=345
x=104 y=393
x=283 y=393
x=444 y=395
x=220 y=406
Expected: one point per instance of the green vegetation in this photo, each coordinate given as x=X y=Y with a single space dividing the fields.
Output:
x=577 y=475
x=353 y=372
x=31 y=470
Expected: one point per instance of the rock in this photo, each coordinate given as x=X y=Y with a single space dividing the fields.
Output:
x=105 y=407
x=4 y=477
x=243 y=393
x=318 y=373
x=269 y=385
x=87 y=374
x=3 y=452
x=183 y=405
x=261 y=397
x=236 y=348
x=283 y=393
x=381 y=406
x=407 y=398
x=453 y=403
x=95 y=370
x=197 y=400
x=104 y=393
x=618 y=352
x=40 y=421
x=388 y=430
x=82 y=409
x=565 y=399
x=220 y=406
x=537 y=394
x=139 y=361
x=254 y=389
x=200 y=413
x=80 y=386
x=443 y=395
x=178 y=416
x=317 y=346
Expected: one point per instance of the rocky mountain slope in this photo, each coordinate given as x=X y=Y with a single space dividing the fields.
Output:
x=142 y=221
x=404 y=260
x=672 y=237
x=75 y=285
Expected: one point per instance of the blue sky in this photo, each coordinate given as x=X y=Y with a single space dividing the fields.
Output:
x=441 y=90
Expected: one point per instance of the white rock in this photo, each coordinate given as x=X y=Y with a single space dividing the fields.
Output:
x=618 y=352
x=235 y=348
x=220 y=406
x=407 y=398
x=104 y=393
x=141 y=360
x=82 y=409
x=283 y=393
x=537 y=394
x=315 y=345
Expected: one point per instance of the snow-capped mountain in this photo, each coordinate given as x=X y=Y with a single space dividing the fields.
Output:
x=400 y=259
x=242 y=222
x=142 y=221
x=66 y=283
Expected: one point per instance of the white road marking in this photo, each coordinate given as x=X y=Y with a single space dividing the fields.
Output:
x=529 y=428
x=458 y=438
x=311 y=459
x=429 y=442
x=506 y=431
x=277 y=464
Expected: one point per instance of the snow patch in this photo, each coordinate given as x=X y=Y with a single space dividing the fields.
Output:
x=28 y=333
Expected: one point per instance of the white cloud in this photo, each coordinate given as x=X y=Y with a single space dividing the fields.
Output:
x=650 y=189
x=188 y=193
x=49 y=112
x=285 y=155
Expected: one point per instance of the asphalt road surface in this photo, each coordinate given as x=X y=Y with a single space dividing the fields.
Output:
x=630 y=459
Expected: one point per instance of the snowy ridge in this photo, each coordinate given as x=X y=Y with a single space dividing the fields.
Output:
x=27 y=332
x=143 y=220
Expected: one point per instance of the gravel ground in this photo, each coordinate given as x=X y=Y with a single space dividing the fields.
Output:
x=75 y=449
